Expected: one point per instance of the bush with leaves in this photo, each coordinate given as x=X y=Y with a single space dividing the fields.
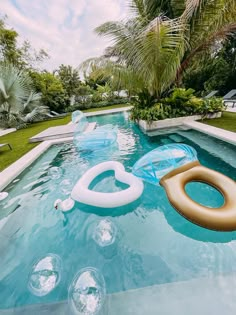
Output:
x=181 y=103
x=144 y=99
x=53 y=94
x=80 y=106
x=19 y=104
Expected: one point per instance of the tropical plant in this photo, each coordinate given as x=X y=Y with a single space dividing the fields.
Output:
x=216 y=72
x=32 y=110
x=53 y=94
x=69 y=78
x=157 y=49
x=164 y=109
x=18 y=104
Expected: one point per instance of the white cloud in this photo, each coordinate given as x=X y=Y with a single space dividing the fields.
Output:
x=65 y=28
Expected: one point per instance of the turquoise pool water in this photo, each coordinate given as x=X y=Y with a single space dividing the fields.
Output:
x=154 y=244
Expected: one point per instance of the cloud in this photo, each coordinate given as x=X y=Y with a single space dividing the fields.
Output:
x=64 y=28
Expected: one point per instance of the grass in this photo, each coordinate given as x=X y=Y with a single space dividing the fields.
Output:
x=227 y=121
x=19 y=140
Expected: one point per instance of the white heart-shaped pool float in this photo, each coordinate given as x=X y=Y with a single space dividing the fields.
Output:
x=83 y=194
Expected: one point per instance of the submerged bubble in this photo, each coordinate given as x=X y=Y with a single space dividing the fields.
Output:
x=87 y=292
x=55 y=172
x=105 y=233
x=66 y=187
x=3 y=195
x=45 y=275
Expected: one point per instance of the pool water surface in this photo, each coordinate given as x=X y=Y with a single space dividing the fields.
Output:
x=153 y=243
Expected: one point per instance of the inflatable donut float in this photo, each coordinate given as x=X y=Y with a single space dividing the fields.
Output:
x=222 y=218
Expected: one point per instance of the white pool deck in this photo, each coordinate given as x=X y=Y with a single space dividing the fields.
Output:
x=14 y=170
x=59 y=132
x=202 y=296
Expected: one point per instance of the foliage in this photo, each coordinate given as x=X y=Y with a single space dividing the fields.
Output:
x=216 y=72
x=94 y=79
x=51 y=88
x=180 y=103
x=144 y=99
x=80 y=106
x=18 y=103
x=69 y=78
x=22 y=56
x=30 y=57
x=157 y=49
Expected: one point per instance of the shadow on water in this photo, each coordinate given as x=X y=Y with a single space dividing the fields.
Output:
x=191 y=230
x=112 y=212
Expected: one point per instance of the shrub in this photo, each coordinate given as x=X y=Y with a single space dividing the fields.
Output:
x=80 y=106
x=193 y=106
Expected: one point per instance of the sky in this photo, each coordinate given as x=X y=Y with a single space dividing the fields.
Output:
x=64 y=28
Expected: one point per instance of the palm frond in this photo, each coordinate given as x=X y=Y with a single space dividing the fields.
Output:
x=32 y=100
x=36 y=114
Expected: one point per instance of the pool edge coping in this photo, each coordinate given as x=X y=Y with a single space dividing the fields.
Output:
x=219 y=133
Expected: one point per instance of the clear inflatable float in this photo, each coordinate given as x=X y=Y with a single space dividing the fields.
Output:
x=98 y=139
x=173 y=166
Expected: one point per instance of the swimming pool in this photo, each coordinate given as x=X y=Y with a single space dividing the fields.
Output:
x=154 y=245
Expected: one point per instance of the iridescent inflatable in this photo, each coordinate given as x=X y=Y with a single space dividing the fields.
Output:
x=80 y=120
x=159 y=162
x=100 y=138
x=176 y=165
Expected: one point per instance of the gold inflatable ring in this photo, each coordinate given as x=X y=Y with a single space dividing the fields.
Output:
x=222 y=218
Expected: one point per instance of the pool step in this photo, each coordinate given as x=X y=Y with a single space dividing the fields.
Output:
x=198 y=296
x=176 y=138
x=212 y=295
x=166 y=141
x=211 y=145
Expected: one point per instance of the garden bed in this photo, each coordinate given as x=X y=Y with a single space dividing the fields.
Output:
x=172 y=122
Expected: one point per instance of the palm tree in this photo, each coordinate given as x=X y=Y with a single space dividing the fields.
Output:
x=18 y=103
x=163 y=37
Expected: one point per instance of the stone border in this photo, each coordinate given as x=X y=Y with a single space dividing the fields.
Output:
x=225 y=135
x=172 y=122
x=15 y=169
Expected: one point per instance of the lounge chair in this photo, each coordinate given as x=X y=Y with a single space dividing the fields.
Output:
x=228 y=98
x=211 y=94
x=4 y=144
x=57 y=114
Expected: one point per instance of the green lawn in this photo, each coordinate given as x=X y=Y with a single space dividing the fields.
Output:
x=227 y=121
x=19 y=139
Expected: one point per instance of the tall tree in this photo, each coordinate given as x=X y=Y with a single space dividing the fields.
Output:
x=162 y=38
x=69 y=78
x=22 y=56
